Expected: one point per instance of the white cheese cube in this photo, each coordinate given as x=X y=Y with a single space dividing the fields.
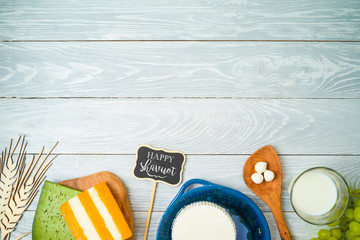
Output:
x=269 y=175
x=257 y=178
x=260 y=167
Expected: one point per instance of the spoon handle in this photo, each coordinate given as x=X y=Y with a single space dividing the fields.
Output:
x=280 y=221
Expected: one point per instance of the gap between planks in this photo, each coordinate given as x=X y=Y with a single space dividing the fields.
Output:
x=245 y=98
x=196 y=154
x=195 y=40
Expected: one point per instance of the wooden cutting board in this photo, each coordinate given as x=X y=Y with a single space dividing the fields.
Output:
x=116 y=186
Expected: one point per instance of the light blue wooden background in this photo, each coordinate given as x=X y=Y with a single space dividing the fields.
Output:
x=216 y=79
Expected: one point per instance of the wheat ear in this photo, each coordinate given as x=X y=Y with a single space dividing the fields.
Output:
x=24 y=188
x=8 y=175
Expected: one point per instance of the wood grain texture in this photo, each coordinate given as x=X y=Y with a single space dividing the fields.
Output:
x=299 y=229
x=197 y=166
x=193 y=126
x=179 y=69
x=228 y=175
x=185 y=19
x=269 y=192
x=314 y=123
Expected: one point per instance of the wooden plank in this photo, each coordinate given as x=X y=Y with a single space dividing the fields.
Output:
x=178 y=69
x=186 y=19
x=298 y=228
x=194 y=126
x=220 y=169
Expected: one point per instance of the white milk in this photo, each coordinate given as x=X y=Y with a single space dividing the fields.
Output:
x=314 y=194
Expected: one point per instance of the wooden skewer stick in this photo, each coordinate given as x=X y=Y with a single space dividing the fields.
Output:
x=150 y=210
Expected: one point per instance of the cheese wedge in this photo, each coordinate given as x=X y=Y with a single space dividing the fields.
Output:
x=95 y=215
x=48 y=222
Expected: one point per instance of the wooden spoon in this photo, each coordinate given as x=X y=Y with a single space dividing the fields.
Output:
x=269 y=192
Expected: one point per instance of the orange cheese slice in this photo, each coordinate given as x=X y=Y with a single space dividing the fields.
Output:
x=95 y=215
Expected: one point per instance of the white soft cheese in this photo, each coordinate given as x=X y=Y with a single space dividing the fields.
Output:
x=260 y=167
x=203 y=221
x=269 y=175
x=257 y=178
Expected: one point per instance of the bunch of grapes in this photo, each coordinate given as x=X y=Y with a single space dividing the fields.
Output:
x=348 y=226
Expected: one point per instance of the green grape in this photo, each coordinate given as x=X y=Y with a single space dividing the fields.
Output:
x=334 y=224
x=357 y=214
x=343 y=222
x=351 y=190
x=347 y=227
x=350 y=235
x=336 y=232
x=357 y=203
x=324 y=234
x=357 y=193
x=338 y=213
x=355 y=227
x=349 y=214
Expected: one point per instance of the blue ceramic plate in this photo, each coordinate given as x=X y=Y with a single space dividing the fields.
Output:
x=249 y=220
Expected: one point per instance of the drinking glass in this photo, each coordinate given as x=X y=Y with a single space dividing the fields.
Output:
x=342 y=196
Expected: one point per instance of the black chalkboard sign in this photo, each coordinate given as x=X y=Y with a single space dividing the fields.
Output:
x=159 y=165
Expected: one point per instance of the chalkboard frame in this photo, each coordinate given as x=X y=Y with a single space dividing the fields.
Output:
x=163 y=150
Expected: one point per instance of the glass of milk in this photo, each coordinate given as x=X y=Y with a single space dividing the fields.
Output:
x=319 y=195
